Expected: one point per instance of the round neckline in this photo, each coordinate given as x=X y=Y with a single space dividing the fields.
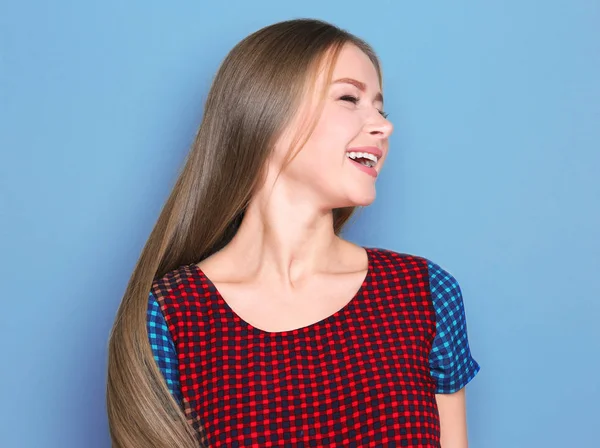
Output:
x=240 y=321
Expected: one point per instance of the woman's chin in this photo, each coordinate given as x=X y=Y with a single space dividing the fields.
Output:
x=361 y=199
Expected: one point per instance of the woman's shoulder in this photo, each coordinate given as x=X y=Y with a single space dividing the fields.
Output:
x=177 y=285
x=443 y=287
x=176 y=277
x=438 y=274
x=393 y=256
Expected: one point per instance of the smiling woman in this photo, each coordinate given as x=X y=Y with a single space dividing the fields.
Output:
x=248 y=320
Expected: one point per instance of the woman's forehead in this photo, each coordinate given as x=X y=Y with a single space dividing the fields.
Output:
x=352 y=65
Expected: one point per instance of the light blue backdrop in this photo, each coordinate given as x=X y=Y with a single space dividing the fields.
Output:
x=493 y=174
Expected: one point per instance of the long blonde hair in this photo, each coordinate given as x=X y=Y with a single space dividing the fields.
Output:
x=257 y=90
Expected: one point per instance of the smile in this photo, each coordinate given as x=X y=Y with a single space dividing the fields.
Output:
x=364 y=158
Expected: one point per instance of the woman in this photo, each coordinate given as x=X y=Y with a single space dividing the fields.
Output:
x=266 y=328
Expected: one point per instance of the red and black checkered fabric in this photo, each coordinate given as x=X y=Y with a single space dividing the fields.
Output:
x=358 y=378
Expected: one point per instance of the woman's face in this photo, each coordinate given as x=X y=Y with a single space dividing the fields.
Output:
x=351 y=123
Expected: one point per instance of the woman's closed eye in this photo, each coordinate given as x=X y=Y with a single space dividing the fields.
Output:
x=352 y=99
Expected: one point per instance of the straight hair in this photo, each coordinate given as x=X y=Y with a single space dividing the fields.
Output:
x=254 y=96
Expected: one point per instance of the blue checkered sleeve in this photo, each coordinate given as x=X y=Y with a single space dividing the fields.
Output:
x=450 y=360
x=163 y=347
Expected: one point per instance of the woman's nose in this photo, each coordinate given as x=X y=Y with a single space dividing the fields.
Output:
x=380 y=126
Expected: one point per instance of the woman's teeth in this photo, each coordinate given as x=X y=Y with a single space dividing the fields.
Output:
x=368 y=159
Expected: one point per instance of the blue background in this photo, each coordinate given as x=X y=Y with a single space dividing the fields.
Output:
x=493 y=174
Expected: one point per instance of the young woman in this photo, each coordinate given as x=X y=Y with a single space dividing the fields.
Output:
x=248 y=320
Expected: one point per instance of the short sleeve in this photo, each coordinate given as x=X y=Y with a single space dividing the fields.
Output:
x=163 y=347
x=451 y=364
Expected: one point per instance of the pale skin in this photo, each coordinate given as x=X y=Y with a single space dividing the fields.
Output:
x=285 y=254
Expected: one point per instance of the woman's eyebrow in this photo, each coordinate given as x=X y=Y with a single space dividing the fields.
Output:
x=359 y=85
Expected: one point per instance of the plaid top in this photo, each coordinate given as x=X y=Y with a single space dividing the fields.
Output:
x=366 y=375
